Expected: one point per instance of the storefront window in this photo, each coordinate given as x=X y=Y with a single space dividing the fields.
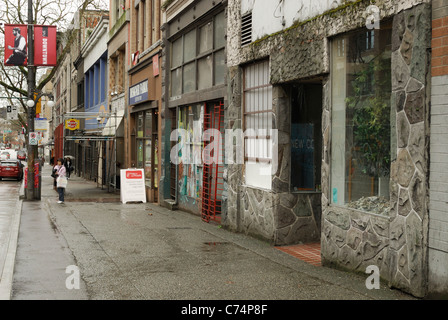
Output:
x=147 y=145
x=190 y=171
x=361 y=134
x=258 y=120
x=148 y=163
x=140 y=125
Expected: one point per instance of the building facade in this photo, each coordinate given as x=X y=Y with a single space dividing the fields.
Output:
x=345 y=87
x=193 y=102
x=145 y=92
x=438 y=211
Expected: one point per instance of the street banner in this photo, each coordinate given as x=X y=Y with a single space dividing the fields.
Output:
x=15 y=45
x=45 y=45
x=132 y=185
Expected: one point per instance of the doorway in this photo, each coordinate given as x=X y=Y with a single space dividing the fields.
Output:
x=212 y=178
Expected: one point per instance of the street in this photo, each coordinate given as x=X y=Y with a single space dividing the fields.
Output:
x=143 y=251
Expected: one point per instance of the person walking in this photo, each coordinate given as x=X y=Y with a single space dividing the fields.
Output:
x=68 y=166
x=60 y=176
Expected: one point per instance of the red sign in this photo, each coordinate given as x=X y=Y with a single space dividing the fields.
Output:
x=155 y=65
x=36 y=175
x=16 y=45
x=45 y=46
x=134 y=175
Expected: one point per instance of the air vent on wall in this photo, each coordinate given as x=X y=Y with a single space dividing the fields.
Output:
x=246 y=28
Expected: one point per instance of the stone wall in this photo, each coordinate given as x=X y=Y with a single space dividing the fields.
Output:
x=397 y=244
x=350 y=239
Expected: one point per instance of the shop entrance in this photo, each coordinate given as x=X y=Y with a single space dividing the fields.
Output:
x=212 y=178
x=306 y=158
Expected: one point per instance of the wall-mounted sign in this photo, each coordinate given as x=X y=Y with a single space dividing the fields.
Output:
x=138 y=93
x=132 y=185
x=155 y=65
x=72 y=124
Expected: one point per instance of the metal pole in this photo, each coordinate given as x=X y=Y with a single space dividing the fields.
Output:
x=31 y=110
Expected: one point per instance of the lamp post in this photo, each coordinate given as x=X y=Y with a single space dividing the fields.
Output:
x=30 y=151
x=30 y=103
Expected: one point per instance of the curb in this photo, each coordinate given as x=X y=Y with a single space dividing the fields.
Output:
x=8 y=268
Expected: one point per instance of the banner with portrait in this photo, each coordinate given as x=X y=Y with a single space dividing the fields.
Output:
x=16 y=45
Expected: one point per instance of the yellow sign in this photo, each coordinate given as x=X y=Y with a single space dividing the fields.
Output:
x=38 y=105
x=72 y=124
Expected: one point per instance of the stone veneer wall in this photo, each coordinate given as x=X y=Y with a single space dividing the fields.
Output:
x=397 y=244
x=350 y=239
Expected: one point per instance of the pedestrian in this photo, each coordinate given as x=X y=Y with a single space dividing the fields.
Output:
x=68 y=167
x=53 y=175
x=61 y=180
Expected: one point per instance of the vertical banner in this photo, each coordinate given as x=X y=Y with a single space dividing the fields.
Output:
x=25 y=177
x=16 y=37
x=45 y=45
x=36 y=175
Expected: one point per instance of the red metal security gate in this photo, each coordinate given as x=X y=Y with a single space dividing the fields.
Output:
x=212 y=176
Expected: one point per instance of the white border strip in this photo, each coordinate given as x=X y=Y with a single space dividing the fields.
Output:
x=8 y=268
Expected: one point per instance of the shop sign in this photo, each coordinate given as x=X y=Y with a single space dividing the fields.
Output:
x=132 y=185
x=72 y=124
x=138 y=93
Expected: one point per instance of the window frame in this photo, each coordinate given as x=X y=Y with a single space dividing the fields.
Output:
x=267 y=108
x=197 y=57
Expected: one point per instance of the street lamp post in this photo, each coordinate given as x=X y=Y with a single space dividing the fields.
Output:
x=30 y=103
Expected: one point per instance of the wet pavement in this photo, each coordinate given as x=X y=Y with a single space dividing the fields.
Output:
x=144 y=251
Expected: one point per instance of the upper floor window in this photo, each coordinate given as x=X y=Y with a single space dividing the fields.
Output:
x=197 y=57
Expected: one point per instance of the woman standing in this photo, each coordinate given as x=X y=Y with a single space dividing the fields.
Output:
x=60 y=175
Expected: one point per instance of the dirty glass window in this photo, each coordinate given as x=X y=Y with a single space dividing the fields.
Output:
x=197 y=57
x=190 y=171
x=205 y=66
x=361 y=131
x=258 y=125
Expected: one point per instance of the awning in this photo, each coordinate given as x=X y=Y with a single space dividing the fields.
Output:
x=114 y=126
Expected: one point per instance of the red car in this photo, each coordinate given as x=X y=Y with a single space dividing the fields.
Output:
x=12 y=169
x=21 y=155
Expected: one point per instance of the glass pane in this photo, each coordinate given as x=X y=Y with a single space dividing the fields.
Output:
x=148 y=163
x=148 y=123
x=176 y=53
x=205 y=72
x=176 y=82
x=189 y=77
x=219 y=30
x=140 y=125
x=156 y=161
x=220 y=67
x=361 y=120
x=205 y=37
x=139 y=153
x=190 y=45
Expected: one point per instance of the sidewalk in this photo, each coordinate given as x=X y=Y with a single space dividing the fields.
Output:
x=144 y=251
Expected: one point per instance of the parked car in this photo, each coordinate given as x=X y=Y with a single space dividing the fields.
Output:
x=5 y=155
x=21 y=155
x=12 y=169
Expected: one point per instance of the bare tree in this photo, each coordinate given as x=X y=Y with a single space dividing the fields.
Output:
x=13 y=79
